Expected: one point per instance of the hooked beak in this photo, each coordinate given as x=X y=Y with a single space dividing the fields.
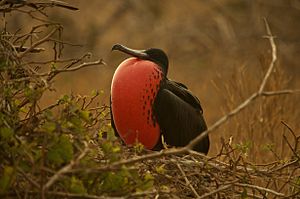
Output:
x=135 y=53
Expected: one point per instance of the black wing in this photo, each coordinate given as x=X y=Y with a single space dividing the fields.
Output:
x=179 y=115
x=112 y=122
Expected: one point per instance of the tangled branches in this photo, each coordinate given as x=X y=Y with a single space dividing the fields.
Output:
x=228 y=175
x=34 y=139
x=15 y=5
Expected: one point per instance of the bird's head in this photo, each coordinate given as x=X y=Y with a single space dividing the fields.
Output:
x=152 y=54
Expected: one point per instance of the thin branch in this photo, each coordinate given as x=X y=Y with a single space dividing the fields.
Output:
x=152 y=155
x=53 y=3
x=249 y=195
x=260 y=189
x=146 y=194
x=270 y=37
x=44 y=39
x=67 y=43
x=187 y=181
x=83 y=65
x=281 y=92
x=222 y=120
x=49 y=61
x=23 y=49
x=34 y=183
x=68 y=195
x=51 y=74
x=37 y=6
x=290 y=129
x=215 y=191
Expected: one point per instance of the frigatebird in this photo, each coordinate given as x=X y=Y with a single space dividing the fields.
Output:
x=149 y=108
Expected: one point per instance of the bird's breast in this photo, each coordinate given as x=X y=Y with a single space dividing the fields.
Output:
x=134 y=87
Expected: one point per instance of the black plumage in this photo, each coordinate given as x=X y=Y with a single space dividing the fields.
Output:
x=179 y=115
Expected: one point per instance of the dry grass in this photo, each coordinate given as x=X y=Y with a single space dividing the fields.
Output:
x=259 y=127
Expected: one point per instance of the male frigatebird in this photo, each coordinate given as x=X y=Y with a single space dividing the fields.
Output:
x=146 y=105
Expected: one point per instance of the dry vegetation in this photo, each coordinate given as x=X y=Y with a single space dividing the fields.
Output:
x=64 y=146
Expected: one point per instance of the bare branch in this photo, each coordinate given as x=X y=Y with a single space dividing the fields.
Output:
x=260 y=189
x=83 y=65
x=222 y=188
x=222 y=120
x=281 y=92
x=270 y=37
x=23 y=49
x=44 y=39
x=34 y=183
x=59 y=194
x=188 y=183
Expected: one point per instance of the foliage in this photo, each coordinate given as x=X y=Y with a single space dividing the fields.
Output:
x=38 y=143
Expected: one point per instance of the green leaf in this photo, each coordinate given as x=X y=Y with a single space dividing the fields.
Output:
x=116 y=149
x=6 y=133
x=244 y=147
x=3 y=64
x=77 y=186
x=148 y=176
x=6 y=179
x=53 y=66
x=76 y=122
x=33 y=94
x=24 y=109
x=138 y=147
x=147 y=183
x=94 y=93
x=48 y=114
x=85 y=115
x=161 y=169
x=114 y=181
x=64 y=98
x=297 y=181
x=268 y=147
x=61 y=152
x=107 y=147
x=111 y=135
x=49 y=127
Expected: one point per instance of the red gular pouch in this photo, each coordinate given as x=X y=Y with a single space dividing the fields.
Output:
x=134 y=87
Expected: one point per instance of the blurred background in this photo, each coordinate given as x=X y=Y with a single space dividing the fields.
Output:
x=215 y=47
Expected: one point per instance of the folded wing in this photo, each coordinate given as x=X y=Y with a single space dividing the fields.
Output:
x=179 y=115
